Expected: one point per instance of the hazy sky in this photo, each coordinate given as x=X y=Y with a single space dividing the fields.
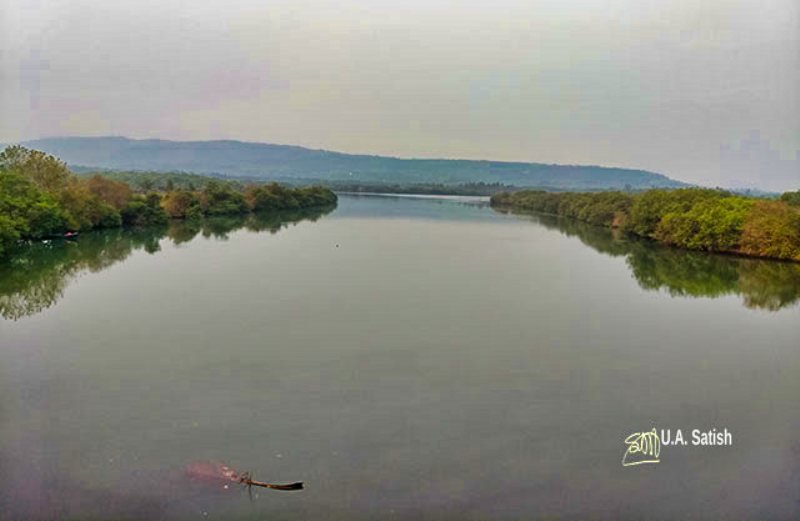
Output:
x=705 y=91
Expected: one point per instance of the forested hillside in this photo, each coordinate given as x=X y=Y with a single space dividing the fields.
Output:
x=285 y=163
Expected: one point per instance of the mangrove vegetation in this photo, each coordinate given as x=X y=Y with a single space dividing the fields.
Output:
x=692 y=218
x=41 y=198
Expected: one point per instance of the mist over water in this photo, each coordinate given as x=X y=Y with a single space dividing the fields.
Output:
x=406 y=358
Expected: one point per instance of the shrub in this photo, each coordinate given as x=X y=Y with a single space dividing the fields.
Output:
x=144 y=211
x=772 y=229
x=114 y=193
x=26 y=209
x=180 y=204
x=713 y=224
x=219 y=199
x=792 y=198
x=650 y=207
x=260 y=198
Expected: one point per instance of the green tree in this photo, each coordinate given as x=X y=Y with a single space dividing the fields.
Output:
x=114 y=193
x=650 y=207
x=84 y=209
x=259 y=199
x=180 y=204
x=712 y=224
x=46 y=172
x=218 y=198
x=792 y=198
x=27 y=211
x=772 y=229
x=144 y=210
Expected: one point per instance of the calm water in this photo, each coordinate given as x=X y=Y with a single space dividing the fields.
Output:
x=406 y=358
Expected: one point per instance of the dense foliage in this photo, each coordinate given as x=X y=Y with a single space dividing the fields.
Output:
x=692 y=218
x=169 y=181
x=772 y=229
x=26 y=211
x=601 y=208
x=275 y=196
x=160 y=181
x=792 y=198
x=41 y=198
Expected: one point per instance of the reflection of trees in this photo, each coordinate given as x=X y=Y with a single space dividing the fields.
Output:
x=769 y=285
x=35 y=278
x=763 y=284
x=219 y=227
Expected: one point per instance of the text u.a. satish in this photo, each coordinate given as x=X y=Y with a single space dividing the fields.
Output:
x=701 y=438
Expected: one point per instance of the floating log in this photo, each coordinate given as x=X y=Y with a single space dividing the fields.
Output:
x=217 y=472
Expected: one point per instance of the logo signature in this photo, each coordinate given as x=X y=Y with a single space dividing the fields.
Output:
x=643 y=447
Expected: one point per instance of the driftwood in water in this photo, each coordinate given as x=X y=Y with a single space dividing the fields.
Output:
x=289 y=486
x=205 y=471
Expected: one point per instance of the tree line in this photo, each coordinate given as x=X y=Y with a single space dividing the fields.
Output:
x=40 y=198
x=692 y=218
x=146 y=181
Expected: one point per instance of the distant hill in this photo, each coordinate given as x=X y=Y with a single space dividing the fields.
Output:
x=283 y=162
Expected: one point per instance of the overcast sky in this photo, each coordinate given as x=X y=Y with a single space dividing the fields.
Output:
x=703 y=91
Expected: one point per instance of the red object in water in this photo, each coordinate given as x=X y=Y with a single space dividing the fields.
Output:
x=70 y=235
x=208 y=471
x=211 y=472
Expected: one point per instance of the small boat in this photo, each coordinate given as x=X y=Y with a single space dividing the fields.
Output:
x=71 y=235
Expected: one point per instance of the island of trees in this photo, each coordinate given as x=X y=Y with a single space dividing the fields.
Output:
x=40 y=198
x=692 y=218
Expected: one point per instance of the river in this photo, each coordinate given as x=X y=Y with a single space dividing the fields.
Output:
x=407 y=358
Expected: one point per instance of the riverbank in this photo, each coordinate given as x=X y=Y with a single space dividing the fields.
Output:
x=40 y=198
x=690 y=218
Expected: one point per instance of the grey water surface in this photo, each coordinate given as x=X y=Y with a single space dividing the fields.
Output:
x=407 y=358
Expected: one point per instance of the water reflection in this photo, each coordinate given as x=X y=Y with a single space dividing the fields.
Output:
x=35 y=278
x=762 y=284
